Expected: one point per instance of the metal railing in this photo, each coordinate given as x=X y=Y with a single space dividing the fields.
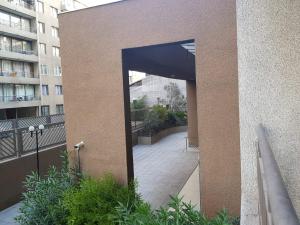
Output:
x=20 y=51
x=23 y=98
x=18 y=26
x=6 y=125
x=17 y=74
x=275 y=206
x=24 y=4
x=18 y=142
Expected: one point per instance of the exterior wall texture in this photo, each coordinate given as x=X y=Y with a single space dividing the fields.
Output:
x=269 y=84
x=93 y=84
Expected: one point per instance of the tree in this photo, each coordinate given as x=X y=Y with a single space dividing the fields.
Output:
x=175 y=99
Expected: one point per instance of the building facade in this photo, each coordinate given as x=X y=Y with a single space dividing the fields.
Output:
x=153 y=88
x=30 y=67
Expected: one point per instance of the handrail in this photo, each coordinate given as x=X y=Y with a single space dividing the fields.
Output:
x=281 y=207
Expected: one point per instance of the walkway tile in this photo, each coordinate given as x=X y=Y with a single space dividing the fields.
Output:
x=7 y=216
x=163 y=168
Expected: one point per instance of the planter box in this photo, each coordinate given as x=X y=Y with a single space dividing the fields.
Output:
x=145 y=140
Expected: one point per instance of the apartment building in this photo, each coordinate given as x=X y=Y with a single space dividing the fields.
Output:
x=30 y=65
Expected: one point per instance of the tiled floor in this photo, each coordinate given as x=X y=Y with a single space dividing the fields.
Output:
x=163 y=168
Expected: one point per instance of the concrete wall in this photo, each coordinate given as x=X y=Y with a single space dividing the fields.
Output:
x=269 y=87
x=191 y=92
x=13 y=173
x=191 y=190
x=93 y=82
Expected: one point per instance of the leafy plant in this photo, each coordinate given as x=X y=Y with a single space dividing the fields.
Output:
x=139 y=103
x=175 y=99
x=177 y=213
x=42 y=201
x=95 y=201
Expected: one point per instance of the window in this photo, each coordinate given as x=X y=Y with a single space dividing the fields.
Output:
x=43 y=48
x=4 y=18
x=60 y=109
x=25 y=23
x=45 y=110
x=57 y=71
x=54 y=12
x=18 y=68
x=27 y=47
x=16 y=46
x=28 y=69
x=15 y=22
x=40 y=7
x=5 y=43
x=45 y=90
x=55 y=51
x=44 y=69
x=58 y=89
x=6 y=67
x=41 y=27
x=54 y=32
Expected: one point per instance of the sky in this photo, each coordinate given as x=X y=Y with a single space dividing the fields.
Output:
x=99 y=2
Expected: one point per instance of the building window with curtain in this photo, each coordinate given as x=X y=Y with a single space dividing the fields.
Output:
x=45 y=110
x=44 y=69
x=57 y=71
x=41 y=27
x=6 y=68
x=40 y=7
x=54 y=32
x=5 y=43
x=54 y=12
x=55 y=51
x=58 y=89
x=60 y=109
x=43 y=48
x=45 y=90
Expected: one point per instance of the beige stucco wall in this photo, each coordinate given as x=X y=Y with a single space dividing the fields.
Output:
x=269 y=87
x=93 y=84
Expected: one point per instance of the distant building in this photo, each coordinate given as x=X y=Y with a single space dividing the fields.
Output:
x=30 y=64
x=153 y=87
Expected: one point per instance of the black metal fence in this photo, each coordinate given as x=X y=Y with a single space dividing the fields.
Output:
x=6 y=125
x=18 y=142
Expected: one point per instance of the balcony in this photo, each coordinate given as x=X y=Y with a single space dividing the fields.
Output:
x=19 y=101
x=19 y=55
x=18 y=78
x=21 y=7
x=16 y=30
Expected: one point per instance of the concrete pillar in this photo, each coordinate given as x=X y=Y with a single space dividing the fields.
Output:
x=191 y=95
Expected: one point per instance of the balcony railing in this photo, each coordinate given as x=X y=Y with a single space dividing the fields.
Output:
x=17 y=74
x=275 y=206
x=17 y=26
x=24 y=98
x=23 y=4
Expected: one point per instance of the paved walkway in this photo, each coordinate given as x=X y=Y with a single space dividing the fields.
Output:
x=7 y=216
x=163 y=168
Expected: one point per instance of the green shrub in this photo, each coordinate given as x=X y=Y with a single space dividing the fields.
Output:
x=139 y=103
x=177 y=213
x=161 y=111
x=42 y=201
x=95 y=201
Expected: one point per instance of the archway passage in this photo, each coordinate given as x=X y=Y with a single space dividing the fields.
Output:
x=162 y=169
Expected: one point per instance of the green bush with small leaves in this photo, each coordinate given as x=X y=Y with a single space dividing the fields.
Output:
x=42 y=201
x=95 y=201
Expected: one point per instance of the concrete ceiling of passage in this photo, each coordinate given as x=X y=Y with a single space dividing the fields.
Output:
x=167 y=60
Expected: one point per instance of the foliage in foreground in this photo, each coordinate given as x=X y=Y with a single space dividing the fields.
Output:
x=58 y=200
x=96 y=201
x=177 y=213
x=42 y=201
